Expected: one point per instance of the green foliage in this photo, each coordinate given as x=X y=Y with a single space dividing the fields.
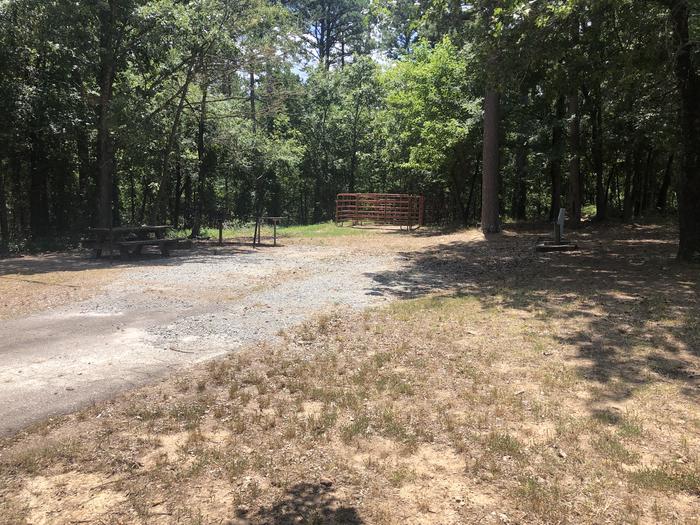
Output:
x=430 y=111
x=231 y=108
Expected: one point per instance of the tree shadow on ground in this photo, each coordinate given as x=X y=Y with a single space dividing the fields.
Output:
x=636 y=318
x=305 y=503
x=80 y=260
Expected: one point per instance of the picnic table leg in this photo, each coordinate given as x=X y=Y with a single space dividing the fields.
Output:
x=274 y=235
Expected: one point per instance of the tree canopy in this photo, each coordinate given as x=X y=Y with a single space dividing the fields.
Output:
x=136 y=111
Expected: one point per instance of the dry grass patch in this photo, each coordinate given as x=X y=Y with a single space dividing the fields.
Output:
x=496 y=404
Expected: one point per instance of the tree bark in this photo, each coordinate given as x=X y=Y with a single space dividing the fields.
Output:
x=145 y=197
x=4 y=226
x=628 y=202
x=490 y=221
x=688 y=80
x=519 y=204
x=175 y=219
x=457 y=167
x=132 y=197
x=164 y=189
x=647 y=185
x=470 y=199
x=201 y=155
x=82 y=144
x=116 y=204
x=38 y=189
x=601 y=203
x=18 y=205
x=253 y=117
x=105 y=141
x=555 y=159
x=574 y=196
x=662 y=199
x=520 y=191
x=638 y=181
x=187 y=218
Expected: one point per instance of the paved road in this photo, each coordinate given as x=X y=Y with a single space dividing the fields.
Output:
x=158 y=318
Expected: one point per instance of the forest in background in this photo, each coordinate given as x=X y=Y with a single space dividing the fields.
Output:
x=190 y=112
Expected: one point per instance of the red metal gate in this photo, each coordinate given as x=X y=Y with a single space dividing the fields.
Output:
x=380 y=208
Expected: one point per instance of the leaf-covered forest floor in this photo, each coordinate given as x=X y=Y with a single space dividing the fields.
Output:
x=502 y=386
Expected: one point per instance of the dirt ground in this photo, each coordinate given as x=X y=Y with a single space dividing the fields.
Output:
x=35 y=283
x=497 y=386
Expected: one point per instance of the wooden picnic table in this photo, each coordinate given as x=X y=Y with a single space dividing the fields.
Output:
x=129 y=240
x=144 y=230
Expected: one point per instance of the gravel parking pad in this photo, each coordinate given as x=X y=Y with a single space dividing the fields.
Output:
x=162 y=314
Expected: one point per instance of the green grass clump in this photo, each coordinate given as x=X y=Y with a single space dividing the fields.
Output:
x=667 y=479
x=310 y=231
x=503 y=443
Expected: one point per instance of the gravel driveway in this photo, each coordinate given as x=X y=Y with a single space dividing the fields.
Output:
x=162 y=315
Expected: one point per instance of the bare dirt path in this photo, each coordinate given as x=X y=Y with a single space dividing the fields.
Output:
x=152 y=317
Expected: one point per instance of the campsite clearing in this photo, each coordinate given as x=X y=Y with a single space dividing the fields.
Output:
x=499 y=385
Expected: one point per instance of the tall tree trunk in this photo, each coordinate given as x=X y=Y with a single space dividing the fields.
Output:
x=105 y=142
x=601 y=203
x=187 y=215
x=60 y=192
x=175 y=219
x=317 y=212
x=688 y=79
x=608 y=184
x=82 y=146
x=555 y=158
x=519 y=204
x=574 y=196
x=456 y=169
x=628 y=201
x=470 y=199
x=520 y=191
x=201 y=156
x=132 y=197
x=662 y=199
x=145 y=196
x=164 y=188
x=637 y=181
x=38 y=189
x=85 y=169
x=647 y=185
x=116 y=202
x=251 y=84
x=18 y=208
x=490 y=220
x=4 y=226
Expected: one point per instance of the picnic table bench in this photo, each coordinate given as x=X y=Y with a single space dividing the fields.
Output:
x=129 y=240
